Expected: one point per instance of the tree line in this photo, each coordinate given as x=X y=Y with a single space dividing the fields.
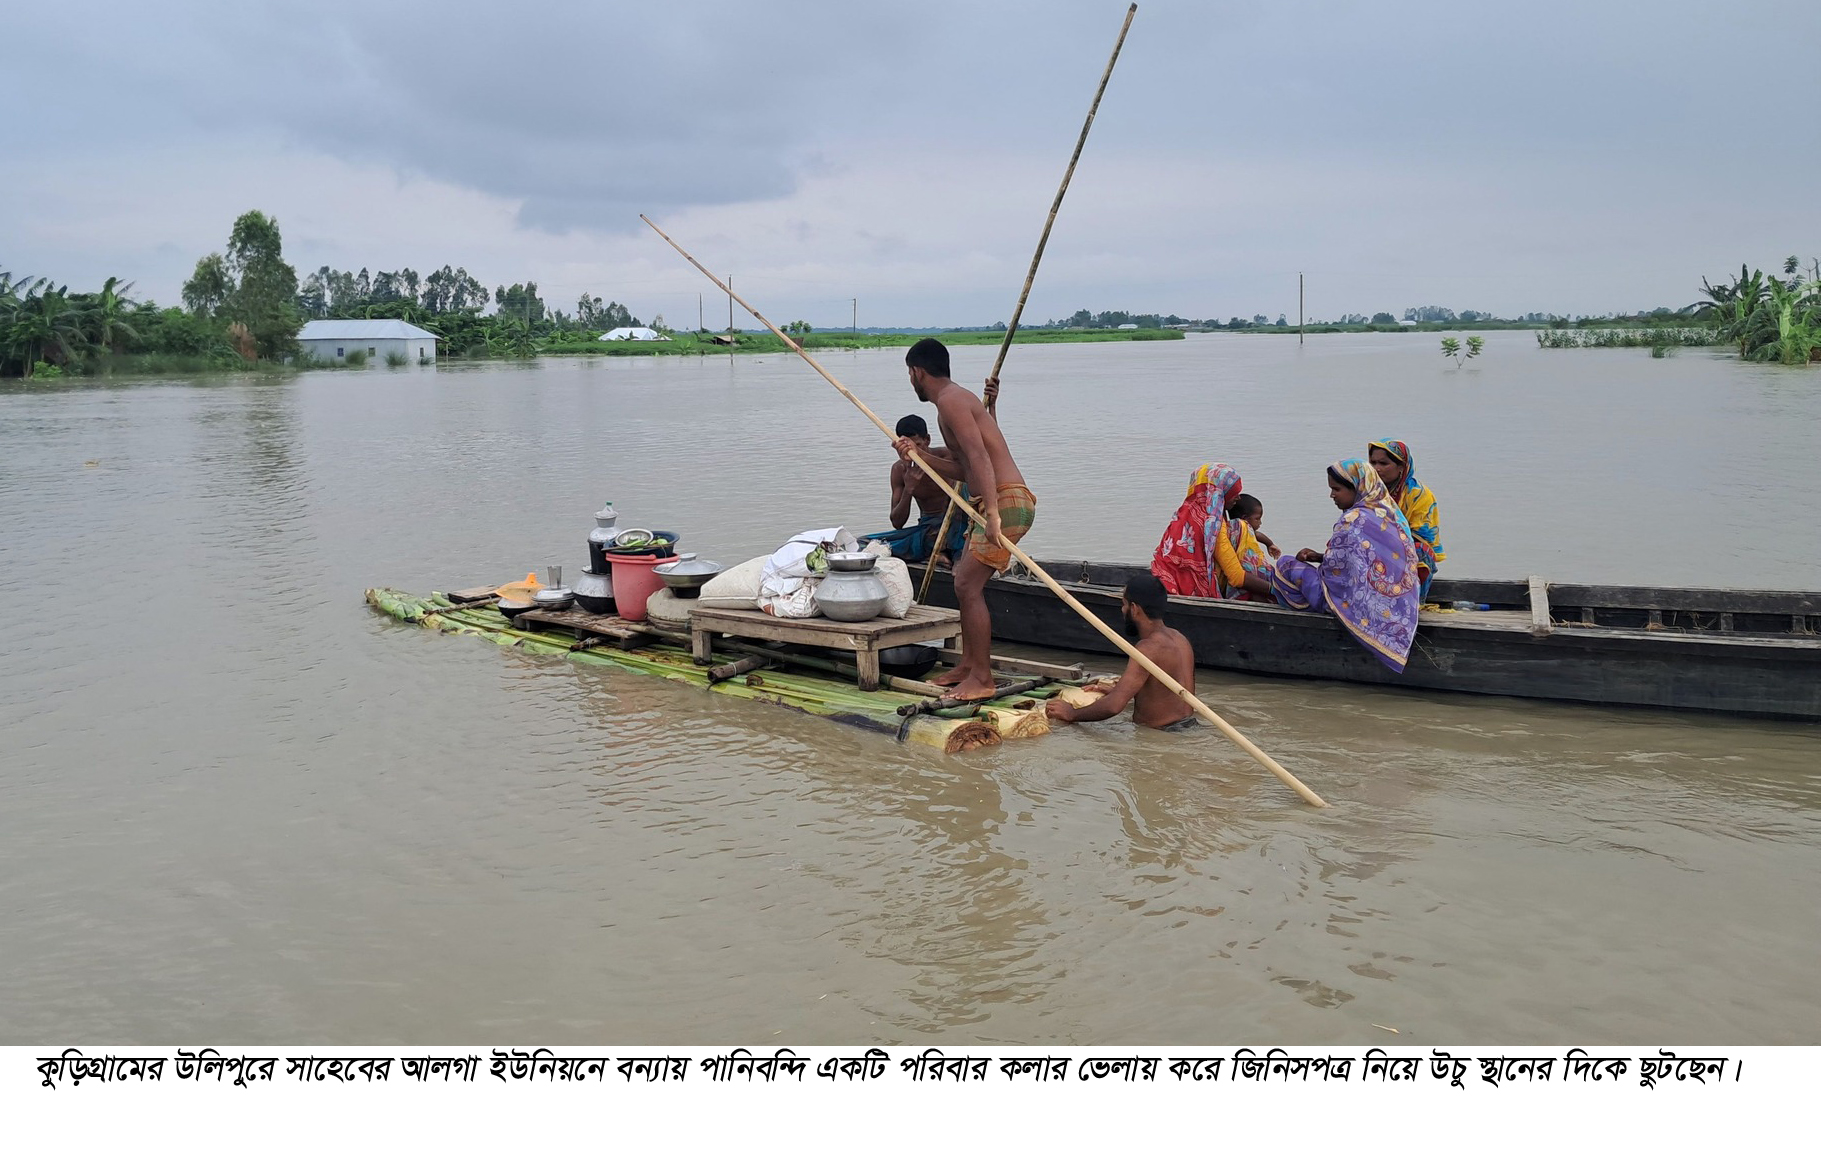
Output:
x=244 y=304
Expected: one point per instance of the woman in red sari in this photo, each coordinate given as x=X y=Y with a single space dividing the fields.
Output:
x=1207 y=554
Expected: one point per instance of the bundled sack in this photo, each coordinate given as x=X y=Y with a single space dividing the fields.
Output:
x=899 y=593
x=787 y=583
x=738 y=588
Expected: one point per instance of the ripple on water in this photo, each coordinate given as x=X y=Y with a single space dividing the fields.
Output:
x=241 y=804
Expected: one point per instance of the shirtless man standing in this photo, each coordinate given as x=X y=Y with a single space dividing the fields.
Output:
x=977 y=454
x=1157 y=707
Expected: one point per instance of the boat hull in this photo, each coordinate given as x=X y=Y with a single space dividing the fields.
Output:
x=1582 y=658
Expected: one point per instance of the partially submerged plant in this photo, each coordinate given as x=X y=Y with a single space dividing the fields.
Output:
x=1451 y=348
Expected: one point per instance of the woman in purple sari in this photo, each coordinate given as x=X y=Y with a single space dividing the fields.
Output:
x=1367 y=576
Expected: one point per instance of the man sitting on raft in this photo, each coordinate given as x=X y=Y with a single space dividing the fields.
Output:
x=910 y=484
x=977 y=453
x=1156 y=706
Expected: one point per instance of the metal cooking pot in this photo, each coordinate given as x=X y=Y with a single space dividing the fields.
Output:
x=852 y=563
x=594 y=593
x=913 y=659
x=687 y=577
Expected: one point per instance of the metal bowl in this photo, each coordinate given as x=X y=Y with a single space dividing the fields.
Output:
x=659 y=543
x=852 y=563
x=554 y=597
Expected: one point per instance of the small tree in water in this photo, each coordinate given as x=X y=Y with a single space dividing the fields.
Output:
x=1451 y=348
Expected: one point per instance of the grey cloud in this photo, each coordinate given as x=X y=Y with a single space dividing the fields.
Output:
x=1523 y=137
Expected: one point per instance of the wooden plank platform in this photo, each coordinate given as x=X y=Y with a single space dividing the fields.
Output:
x=610 y=630
x=864 y=639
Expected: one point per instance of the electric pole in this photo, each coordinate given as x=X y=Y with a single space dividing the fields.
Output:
x=1299 y=309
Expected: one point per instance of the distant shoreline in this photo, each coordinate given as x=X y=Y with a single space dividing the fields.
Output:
x=765 y=343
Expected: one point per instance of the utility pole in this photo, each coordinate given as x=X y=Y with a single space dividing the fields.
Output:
x=730 y=342
x=700 y=320
x=856 y=302
x=1299 y=309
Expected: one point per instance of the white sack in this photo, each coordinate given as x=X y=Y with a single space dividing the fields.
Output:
x=787 y=585
x=738 y=588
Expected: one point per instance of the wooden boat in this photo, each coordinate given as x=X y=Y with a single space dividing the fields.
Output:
x=821 y=687
x=1735 y=651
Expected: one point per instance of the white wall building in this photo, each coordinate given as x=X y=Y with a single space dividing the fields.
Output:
x=334 y=341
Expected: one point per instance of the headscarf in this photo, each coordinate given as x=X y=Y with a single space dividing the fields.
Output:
x=1418 y=504
x=1367 y=578
x=1370 y=491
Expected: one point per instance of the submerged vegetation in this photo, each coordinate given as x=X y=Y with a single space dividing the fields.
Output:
x=1768 y=319
x=1451 y=348
x=1652 y=337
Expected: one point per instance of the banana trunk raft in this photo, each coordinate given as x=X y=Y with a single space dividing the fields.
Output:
x=789 y=685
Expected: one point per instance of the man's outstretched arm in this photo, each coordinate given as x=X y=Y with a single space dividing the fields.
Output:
x=1108 y=706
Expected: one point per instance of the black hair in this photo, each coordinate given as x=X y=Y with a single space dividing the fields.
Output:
x=1245 y=505
x=1146 y=593
x=930 y=355
x=913 y=425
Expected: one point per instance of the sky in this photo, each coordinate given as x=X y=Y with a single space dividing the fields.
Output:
x=1584 y=157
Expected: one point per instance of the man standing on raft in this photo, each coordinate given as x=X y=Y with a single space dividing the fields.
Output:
x=977 y=454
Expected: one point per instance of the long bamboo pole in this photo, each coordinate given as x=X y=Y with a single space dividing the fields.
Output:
x=991 y=397
x=1137 y=656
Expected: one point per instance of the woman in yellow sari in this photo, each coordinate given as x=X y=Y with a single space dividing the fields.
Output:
x=1391 y=460
x=1207 y=554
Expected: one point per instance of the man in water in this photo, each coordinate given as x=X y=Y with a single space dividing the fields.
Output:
x=1158 y=706
x=911 y=485
x=977 y=453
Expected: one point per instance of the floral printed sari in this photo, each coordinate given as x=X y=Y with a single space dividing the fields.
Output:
x=1367 y=578
x=1188 y=560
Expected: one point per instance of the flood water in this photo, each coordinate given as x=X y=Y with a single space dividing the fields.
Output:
x=235 y=804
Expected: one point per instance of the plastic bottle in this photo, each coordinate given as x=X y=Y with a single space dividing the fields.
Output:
x=1463 y=604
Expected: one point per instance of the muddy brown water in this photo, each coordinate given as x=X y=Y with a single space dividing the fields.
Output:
x=235 y=804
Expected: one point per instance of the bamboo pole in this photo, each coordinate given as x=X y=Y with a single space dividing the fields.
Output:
x=1042 y=575
x=991 y=397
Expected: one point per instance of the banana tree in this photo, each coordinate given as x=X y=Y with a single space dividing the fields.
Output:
x=108 y=313
x=1737 y=309
x=47 y=323
x=1797 y=330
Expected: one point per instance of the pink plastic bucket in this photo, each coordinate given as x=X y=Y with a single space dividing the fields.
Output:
x=635 y=580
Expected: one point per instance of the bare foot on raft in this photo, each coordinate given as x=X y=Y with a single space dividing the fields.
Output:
x=970 y=688
x=950 y=678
